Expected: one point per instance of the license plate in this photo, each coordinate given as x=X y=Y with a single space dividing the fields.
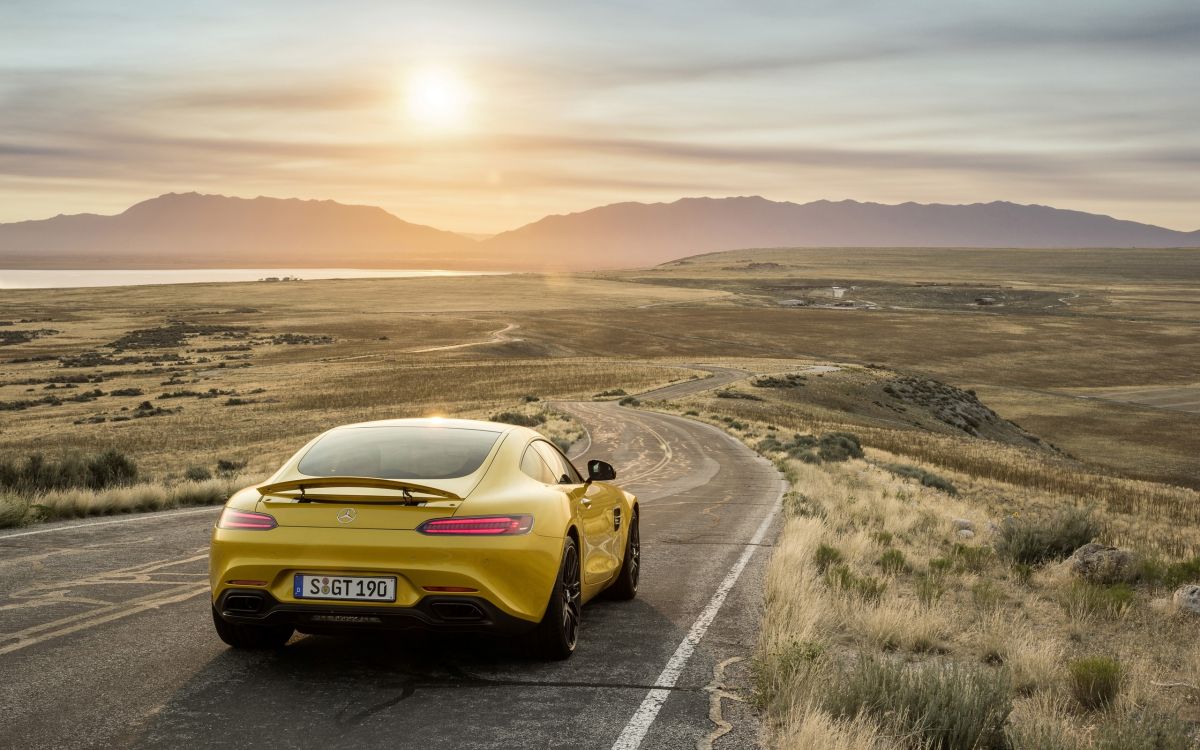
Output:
x=345 y=588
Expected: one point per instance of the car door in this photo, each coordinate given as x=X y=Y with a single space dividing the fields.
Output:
x=595 y=503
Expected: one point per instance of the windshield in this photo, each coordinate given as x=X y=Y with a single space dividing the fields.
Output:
x=399 y=452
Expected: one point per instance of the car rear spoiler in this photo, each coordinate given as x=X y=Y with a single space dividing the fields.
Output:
x=315 y=483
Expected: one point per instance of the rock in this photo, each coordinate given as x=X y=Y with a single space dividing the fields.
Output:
x=963 y=524
x=1099 y=563
x=1187 y=599
x=966 y=533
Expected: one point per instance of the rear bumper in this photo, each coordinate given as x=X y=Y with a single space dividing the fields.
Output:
x=511 y=576
x=446 y=614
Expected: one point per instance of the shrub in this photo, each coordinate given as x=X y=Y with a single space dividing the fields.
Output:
x=38 y=474
x=738 y=395
x=1038 y=539
x=629 y=401
x=783 y=668
x=926 y=478
x=13 y=510
x=197 y=474
x=1091 y=599
x=611 y=392
x=1022 y=573
x=790 y=380
x=562 y=443
x=1170 y=575
x=529 y=398
x=843 y=579
x=802 y=505
x=227 y=466
x=826 y=556
x=1095 y=681
x=945 y=707
x=940 y=566
x=893 y=563
x=929 y=589
x=986 y=595
x=972 y=559
x=519 y=419
x=839 y=446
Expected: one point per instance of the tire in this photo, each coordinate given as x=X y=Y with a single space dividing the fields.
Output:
x=626 y=585
x=254 y=637
x=555 y=637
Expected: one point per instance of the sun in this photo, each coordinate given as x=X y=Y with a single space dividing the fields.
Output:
x=437 y=98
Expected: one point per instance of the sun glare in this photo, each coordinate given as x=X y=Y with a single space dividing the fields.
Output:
x=437 y=98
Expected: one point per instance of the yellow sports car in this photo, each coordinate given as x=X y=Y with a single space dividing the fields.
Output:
x=442 y=524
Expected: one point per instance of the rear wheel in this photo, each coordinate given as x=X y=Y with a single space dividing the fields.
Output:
x=626 y=585
x=256 y=637
x=556 y=635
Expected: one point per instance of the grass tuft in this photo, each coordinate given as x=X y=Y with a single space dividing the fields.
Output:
x=825 y=556
x=1095 y=681
x=893 y=562
x=1083 y=599
x=938 y=707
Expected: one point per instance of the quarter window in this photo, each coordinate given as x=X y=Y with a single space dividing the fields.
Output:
x=533 y=465
x=562 y=469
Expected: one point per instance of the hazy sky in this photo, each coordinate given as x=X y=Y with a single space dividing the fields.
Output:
x=482 y=116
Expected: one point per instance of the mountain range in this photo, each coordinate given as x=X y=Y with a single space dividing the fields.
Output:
x=190 y=230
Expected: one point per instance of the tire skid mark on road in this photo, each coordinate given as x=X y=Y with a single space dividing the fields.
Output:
x=407 y=689
x=667 y=456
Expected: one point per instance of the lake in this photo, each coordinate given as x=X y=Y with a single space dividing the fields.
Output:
x=60 y=279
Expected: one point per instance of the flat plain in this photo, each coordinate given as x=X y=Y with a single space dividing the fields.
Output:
x=1094 y=351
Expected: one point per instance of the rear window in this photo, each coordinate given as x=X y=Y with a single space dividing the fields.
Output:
x=399 y=453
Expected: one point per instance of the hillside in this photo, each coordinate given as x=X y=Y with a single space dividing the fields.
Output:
x=640 y=234
x=196 y=231
x=191 y=231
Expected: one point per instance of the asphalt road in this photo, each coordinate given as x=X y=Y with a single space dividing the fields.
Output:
x=106 y=639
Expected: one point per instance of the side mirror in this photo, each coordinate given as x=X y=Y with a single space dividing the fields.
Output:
x=601 y=471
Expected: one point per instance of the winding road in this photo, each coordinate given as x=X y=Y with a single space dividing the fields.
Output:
x=106 y=641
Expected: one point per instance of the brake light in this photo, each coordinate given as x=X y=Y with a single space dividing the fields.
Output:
x=240 y=519
x=478 y=525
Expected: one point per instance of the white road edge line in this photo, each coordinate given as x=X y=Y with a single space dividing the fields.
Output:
x=639 y=725
x=145 y=517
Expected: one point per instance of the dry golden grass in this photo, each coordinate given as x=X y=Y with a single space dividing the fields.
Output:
x=1152 y=517
x=983 y=617
x=18 y=509
x=814 y=729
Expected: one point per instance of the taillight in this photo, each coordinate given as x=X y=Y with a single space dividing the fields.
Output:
x=240 y=519
x=478 y=525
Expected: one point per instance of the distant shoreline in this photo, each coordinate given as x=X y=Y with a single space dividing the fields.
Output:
x=78 y=278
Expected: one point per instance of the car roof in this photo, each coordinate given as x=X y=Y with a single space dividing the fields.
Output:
x=444 y=422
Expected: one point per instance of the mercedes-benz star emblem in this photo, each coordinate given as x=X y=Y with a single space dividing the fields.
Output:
x=346 y=515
